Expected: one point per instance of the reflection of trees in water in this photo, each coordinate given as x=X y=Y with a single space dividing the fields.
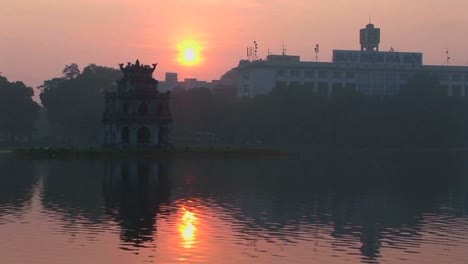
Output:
x=133 y=192
x=362 y=197
x=18 y=178
x=72 y=188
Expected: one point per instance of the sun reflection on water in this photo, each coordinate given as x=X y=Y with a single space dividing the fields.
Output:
x=187 y=227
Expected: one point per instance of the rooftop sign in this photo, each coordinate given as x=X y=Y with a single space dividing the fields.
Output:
x=377 y=57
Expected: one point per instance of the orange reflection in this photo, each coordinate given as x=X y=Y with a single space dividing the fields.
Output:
x=187 y=228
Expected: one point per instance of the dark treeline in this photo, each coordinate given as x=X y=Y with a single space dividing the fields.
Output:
x=422 y=116
x=17 y=112
x=294 y=116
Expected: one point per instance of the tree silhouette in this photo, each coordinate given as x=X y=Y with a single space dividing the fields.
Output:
x=17 y=110
x=75 y=104
x=71 y=71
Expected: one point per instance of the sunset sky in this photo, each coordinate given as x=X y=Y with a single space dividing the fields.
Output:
x=38 y=38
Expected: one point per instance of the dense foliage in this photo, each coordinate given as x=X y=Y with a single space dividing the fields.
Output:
x=422 y=116
x=17 y=111
x=291 y=116
x=75 y=102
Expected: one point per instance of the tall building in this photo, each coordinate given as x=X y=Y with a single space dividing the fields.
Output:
x=171 y=77
x=171 y=80
x=137 y=115
x=369 y=71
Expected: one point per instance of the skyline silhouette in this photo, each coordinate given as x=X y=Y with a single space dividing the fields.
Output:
x=39 y=38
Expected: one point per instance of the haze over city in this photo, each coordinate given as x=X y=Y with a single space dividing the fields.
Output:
x=40 y=38
x=248 y=131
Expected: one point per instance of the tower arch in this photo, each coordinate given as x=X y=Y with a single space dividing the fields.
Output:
x=143 y=135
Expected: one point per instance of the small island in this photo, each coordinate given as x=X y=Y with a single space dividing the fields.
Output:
x=138 y=123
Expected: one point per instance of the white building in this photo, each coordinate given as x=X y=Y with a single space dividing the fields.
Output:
x=368 y=71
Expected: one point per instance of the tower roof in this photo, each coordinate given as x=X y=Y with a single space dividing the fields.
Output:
x=137 y=68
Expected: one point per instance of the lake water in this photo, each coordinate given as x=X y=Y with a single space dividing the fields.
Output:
x=361 y=207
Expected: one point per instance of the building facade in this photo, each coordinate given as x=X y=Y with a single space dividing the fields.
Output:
x=369 y=71
x=137 y=115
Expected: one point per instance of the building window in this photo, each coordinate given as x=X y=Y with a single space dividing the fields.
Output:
x=163 y=135
x=295 y=73
x=349 y=75
x=159 y=108
x=456 y=77
x=125 y=135
x=337 y=85
x=323 y=74
x=309 y=74
x=143 y=109
x=125 y=108
x=391 y=77
x=378 y=76
x=310 y=85
x=144 y=135
x=280 y=73
x=444 y=77
x=336 y=75
x=245 y=89
x=403 y=76
x=364 y=77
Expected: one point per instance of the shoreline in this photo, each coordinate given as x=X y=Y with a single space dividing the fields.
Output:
x=187 y=152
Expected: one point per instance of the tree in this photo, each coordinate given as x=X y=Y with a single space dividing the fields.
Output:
x=17 y=110
x=71 y=71
x=75 y=105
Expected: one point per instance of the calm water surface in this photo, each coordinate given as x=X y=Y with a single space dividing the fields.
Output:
x=385 y=207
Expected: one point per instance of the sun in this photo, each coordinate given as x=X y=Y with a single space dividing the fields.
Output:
x=189 y=53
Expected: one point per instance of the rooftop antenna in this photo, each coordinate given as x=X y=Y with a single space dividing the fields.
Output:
x=255 y=57
x=447 y=62
x=252 y=52
x=283 y=49
x=317 y=50
x=250 y=55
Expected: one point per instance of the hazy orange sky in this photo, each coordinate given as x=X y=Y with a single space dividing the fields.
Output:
x=38 y=38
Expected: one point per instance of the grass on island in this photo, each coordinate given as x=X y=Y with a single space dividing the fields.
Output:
x=185 y=152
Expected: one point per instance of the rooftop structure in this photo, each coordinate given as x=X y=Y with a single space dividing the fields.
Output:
x=369 y=38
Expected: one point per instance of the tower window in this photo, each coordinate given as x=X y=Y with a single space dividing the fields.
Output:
x=125 y=135
x=143 y=135
x=125 y=108
x=143 y=109
x=159 y=108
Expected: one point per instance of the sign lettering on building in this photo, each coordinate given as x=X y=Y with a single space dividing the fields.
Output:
x=379 y=57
